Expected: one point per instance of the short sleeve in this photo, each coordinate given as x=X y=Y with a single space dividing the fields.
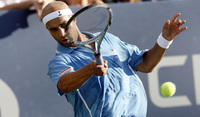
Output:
x=57 y=68
x=136 y=55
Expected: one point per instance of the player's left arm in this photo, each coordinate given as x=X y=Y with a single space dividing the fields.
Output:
x=152 y=57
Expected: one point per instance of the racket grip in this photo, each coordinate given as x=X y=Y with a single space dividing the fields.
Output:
x=99 y=59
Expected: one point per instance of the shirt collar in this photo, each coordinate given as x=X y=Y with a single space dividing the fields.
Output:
x=66 y=50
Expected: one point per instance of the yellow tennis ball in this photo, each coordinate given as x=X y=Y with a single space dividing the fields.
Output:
x=168 y=89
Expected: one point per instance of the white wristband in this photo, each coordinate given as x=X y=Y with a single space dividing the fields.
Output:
x=162 y=42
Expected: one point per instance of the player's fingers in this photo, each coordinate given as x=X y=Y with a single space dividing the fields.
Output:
x=166 y=25
x=183 y=29
x=183 y=22
x=178 y=22
x=105 y=63
x=175 y=17
x=101 y=71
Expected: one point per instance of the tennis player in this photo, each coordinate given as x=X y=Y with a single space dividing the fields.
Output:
x=112 y=90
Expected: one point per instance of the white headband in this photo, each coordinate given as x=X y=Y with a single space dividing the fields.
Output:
x=56 y=14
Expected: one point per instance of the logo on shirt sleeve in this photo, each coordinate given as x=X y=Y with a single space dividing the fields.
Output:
x=64 y=71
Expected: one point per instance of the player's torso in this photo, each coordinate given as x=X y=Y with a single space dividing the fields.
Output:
x=117 y=93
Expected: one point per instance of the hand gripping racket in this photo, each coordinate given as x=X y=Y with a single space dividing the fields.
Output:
x=95 y=19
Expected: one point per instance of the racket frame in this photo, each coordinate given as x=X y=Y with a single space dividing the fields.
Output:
x=99 y=36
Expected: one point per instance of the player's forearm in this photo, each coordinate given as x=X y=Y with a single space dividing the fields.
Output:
x=74 y=80
x=151 y=59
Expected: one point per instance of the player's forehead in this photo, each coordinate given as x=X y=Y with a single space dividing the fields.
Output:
x=58 y=14
x=57 y=22
x=53 y=7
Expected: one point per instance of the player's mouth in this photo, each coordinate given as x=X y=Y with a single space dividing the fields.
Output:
x=66 y=43
x=65 y=40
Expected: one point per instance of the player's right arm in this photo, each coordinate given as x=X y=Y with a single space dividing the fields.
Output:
x=73 y=80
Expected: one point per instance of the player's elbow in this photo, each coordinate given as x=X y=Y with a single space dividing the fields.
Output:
x=63 y=88
x=145 y=68
x=147 y=71
x=150 y=70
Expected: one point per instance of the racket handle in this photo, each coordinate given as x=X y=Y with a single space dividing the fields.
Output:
x=99 y=59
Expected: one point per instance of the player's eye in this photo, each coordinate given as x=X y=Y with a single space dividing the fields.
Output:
x=53 y=29
x=63 y=25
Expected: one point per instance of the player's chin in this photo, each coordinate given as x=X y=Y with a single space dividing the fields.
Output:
x=73 y=45
x=68 y=44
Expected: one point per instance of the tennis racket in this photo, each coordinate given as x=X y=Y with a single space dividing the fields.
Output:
x=95 y=19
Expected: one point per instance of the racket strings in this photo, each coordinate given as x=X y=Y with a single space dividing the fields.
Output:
x=93 y=21
x=73 y=33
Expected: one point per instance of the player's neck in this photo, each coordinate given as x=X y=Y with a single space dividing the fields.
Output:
x=87 y=37
x=92 y=45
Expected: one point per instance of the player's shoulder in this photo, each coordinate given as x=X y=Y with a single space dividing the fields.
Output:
x=111 y=37
x=62 y=55
x=59 y=58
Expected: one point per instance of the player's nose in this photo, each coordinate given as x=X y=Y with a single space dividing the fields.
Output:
x=62 y=32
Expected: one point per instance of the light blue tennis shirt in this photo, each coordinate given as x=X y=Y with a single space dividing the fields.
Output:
x=119 y=93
